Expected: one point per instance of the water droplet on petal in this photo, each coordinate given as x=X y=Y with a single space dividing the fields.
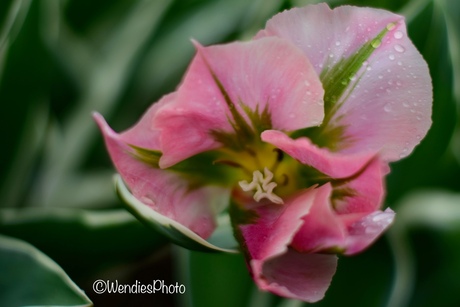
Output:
x=376 y=43
x=307 y=83
x=399 y=63
x=398 y=35
x=399 y=48
x=387 y=108
x=405 y=104
x=331 y=55
x=337 y=43
x=365 y=63
x=380 y=77
x=391 y=57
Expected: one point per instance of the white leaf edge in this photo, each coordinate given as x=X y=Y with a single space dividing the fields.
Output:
x=9 y=243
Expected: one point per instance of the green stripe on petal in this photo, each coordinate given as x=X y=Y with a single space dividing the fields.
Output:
x=201 y=169
x=338 y=83
x=337 y=79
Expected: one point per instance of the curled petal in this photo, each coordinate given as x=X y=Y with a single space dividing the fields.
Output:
x=302 y=149
x=165 y=192
x=365 y=231
x=385 y=106
x=276 y=267
x=300 y=276
x=324 y=230
x=224 y=81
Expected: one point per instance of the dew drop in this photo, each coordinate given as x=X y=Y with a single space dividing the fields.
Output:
x=405 y=104
x=380 y=77
x=398 y=35
x=337 y=43
x=376 y=43
x=331 y=55
x=307 y=83
x=399 y=63
x=399 y=48
x=391 y=57
x=308 y=93
x=387 y=108
x=368 y=68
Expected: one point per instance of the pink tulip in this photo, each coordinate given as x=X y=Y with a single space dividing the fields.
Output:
x=292 y=132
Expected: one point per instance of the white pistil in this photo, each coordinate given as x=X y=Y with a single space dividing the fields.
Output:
x=263 y=186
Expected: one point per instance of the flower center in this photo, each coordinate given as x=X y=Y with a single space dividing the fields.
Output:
x=263 y=185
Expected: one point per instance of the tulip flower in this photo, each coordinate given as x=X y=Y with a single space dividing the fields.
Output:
x=290 y=134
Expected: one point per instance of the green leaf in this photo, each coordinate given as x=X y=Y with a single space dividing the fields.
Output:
x=81 y=240
x=219 y=280
x=173 y=230
x=29 y=278
x=437 y=210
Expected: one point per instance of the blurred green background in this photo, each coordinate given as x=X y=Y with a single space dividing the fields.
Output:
x=61 y=60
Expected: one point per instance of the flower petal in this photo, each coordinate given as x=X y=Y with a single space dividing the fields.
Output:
x=267 y=74
x=165 y=192
x=324 y=230
x=387 y=104
x=274 y=266
x=173 y=230
x=335 y=165
x=300 y=276
x=363 y=192
x=365 y=231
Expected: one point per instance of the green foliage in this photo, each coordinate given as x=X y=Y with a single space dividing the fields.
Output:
x=60 y=60
x=30 y=278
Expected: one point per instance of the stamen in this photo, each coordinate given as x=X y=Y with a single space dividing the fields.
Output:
x=263 y=186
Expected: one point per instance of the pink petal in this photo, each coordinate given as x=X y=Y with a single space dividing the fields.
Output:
x=274 y=266
x=389 y=110
x=299 y=276
x=268 y=72
x=322 y=228
x=163 y=191
x=335 y=165
x=364 y=232
x=367 y=188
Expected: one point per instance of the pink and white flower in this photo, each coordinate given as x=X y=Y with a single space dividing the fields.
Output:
x=290 y=133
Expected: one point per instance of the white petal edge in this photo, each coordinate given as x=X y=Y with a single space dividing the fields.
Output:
x=175 y=231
